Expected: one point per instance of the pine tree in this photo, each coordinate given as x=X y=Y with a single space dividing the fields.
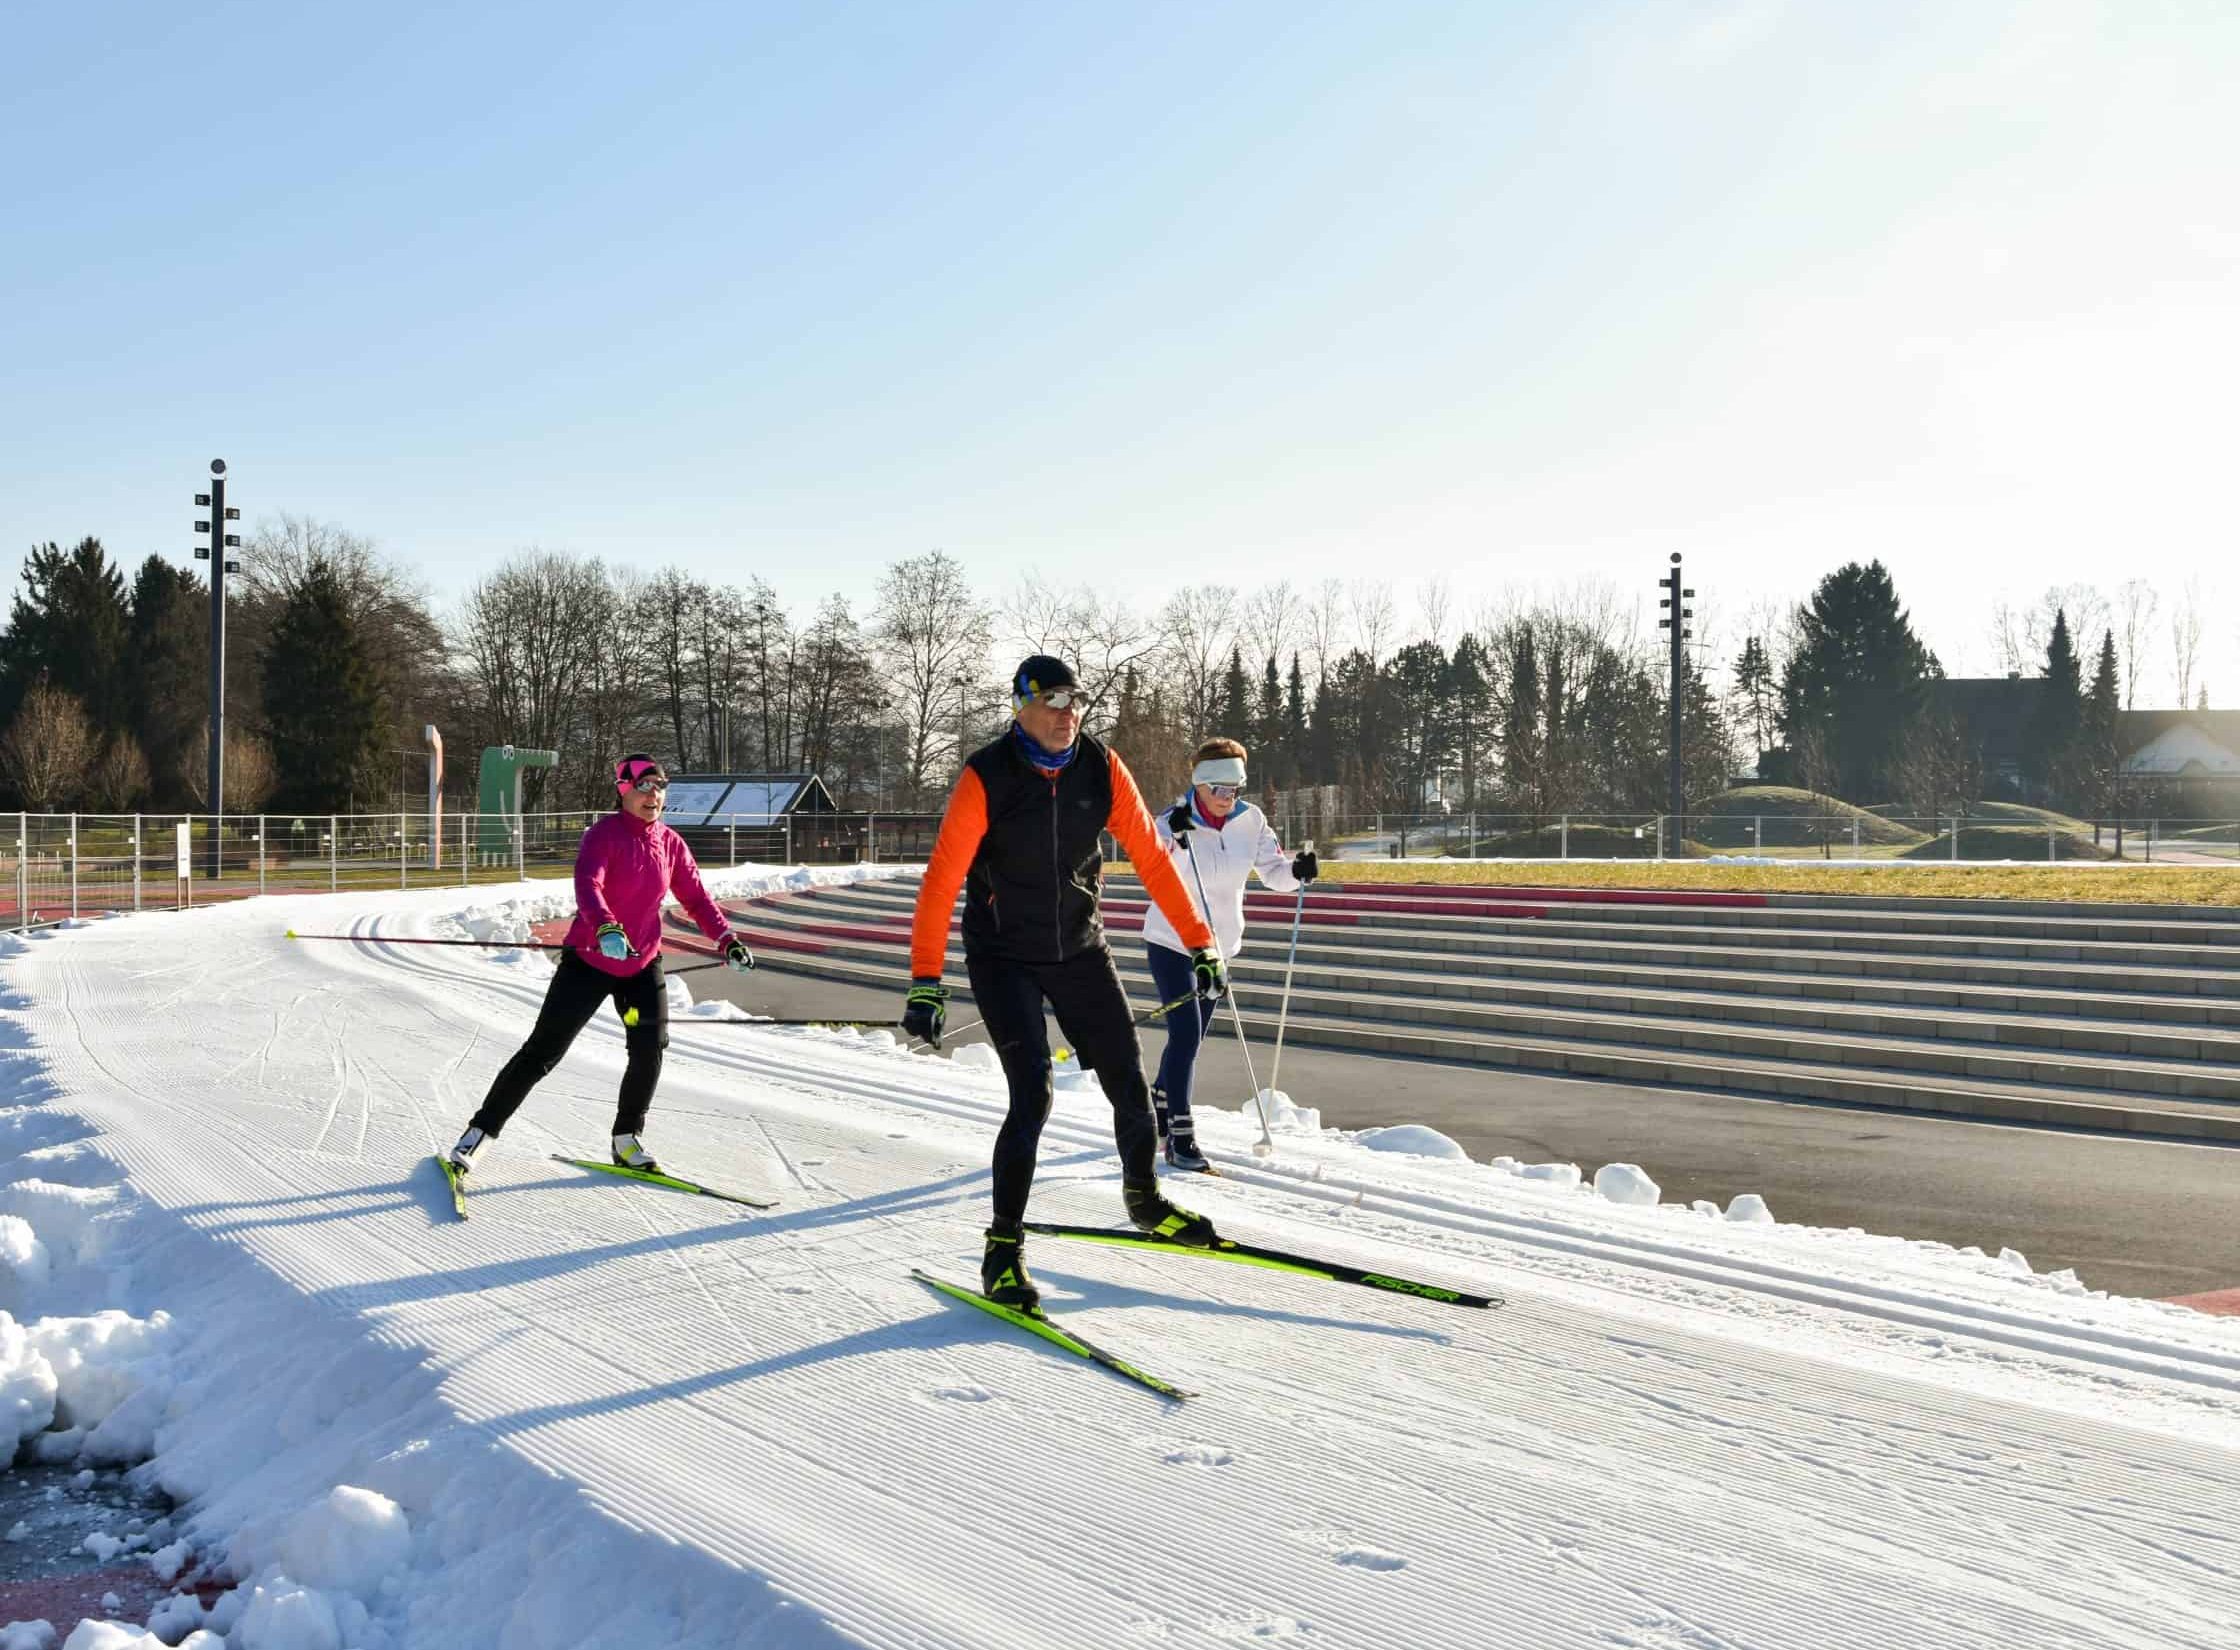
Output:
x=2057 y=726
x=1236 y=700
x=1469 y=693
x=1858 y=681
x=1267 y=726
x=2098 y=753
x=1294 y=725
x=67 y=627
x=1754 y=694
x=167 y=668
x=322 y=704
x=1521 y=743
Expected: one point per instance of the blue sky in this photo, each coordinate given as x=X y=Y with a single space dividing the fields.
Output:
x=1145 y=295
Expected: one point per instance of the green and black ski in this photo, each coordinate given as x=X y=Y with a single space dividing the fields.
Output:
x=1274 y=1260
x=669 y=1180
x=1037 y=1323
x=457 y=1182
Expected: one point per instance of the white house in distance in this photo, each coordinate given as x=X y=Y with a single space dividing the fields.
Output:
x=2180 y=744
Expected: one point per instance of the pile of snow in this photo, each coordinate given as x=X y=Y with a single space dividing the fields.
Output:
x=1749 y=1209
x=976 y=1057
x=1284 y=1115
x=1412 y=1139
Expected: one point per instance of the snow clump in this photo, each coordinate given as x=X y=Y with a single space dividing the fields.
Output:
x=1749 y=1209
x=1625 y=1183
x=1555 y=1174
x=349 y=1542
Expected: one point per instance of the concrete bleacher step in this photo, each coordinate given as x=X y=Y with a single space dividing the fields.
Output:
x=2053 y=1022
x=1524 y=945
x=1756 y=1075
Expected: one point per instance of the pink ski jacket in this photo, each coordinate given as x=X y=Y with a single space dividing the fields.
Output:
x=625 y=869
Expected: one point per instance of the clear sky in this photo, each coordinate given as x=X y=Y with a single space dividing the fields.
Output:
x=1147 y=294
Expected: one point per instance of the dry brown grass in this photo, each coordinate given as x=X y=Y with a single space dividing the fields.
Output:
x=2129 y=884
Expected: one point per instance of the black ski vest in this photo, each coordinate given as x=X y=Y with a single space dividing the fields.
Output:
x=1033 y=891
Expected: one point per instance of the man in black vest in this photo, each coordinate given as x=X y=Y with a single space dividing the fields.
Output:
x=1022 y=836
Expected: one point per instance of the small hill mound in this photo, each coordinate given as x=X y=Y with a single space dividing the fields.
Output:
x=1792 y=818
x=2014 y=841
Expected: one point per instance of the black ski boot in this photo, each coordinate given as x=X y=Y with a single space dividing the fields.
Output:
x=1152 y=1213
x=1003 y=1271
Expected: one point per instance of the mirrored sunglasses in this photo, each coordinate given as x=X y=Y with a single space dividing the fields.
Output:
x=1223 y=793
x=1065 y=698
x=649 y=784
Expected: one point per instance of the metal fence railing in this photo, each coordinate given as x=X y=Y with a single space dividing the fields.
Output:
x=1996 y=832
x=65 y=865
x=54 y=866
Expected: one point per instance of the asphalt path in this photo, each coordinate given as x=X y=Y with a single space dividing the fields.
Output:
x=2136 y=1217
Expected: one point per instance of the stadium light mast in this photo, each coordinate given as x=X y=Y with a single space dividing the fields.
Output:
x=1676 y=619
x=215 y=553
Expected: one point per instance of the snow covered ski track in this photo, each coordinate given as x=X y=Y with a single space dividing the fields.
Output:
x=620 y=1416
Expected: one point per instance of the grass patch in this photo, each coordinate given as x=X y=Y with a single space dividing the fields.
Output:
x=1791 y=819
x=2113 y=884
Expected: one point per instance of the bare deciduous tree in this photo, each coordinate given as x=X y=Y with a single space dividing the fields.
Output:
x=1369 y=603
x=1101 y=636
x=1273 y=617
x=530 y=632
x=2136 y=601
x=250 y=775
x=933 y=634
x=120 y=777
x=1434 y=610
x=1326 y=626
x=1197 y=631
x=2185 y=639
x=48 y=746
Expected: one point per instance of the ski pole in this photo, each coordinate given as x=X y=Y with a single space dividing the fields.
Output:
x=1283 y=1013
x=396 y=939
x=1236 y=1018
x=1164 y=1009
x=825 y=1020
x=487 y=945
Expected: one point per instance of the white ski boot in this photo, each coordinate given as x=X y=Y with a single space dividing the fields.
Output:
x=470 y=1146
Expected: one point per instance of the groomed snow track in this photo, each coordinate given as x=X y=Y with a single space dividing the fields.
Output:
x=759 y=1430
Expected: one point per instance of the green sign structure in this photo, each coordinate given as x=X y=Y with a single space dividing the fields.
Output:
x=500 y=794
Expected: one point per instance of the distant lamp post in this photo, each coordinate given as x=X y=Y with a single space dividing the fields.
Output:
x=214 y=553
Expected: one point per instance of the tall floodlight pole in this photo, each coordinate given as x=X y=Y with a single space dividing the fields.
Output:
x=215 y=554
x=1676 y=620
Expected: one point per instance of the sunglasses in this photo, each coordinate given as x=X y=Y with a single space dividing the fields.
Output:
x=651 y=784
x=1223 y=793
x=1059 y=698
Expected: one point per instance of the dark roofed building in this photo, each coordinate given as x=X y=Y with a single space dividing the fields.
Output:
x=1993 y=715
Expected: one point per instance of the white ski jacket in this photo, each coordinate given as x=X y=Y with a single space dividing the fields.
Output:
x=1245 y=843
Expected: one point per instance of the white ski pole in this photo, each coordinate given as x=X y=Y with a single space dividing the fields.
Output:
x=1267 y=1142
x=1283 y=1013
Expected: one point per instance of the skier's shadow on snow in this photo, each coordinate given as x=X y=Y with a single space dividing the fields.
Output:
x=1096 y=1292
x=950 y=1324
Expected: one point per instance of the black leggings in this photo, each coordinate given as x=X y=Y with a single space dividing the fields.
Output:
x=1085 y=997
x=577 y=991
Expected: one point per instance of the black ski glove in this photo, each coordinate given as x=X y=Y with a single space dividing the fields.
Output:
x=1303 y=866
x=925 y=1011
x=1179 y=820
x=735 y=953
x=1209 y=975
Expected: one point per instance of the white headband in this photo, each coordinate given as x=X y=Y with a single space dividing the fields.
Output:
x=1219 y=770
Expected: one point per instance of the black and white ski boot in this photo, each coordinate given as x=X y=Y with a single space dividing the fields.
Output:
x=462 y=1156
x=1183 y=1153
x=1003 y=1271
x=630 y=1153
x=1152 y=1213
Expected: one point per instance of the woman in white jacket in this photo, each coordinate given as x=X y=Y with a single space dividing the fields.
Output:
x=1215 y=835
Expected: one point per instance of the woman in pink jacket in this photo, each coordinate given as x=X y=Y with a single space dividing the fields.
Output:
x=628 y=865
